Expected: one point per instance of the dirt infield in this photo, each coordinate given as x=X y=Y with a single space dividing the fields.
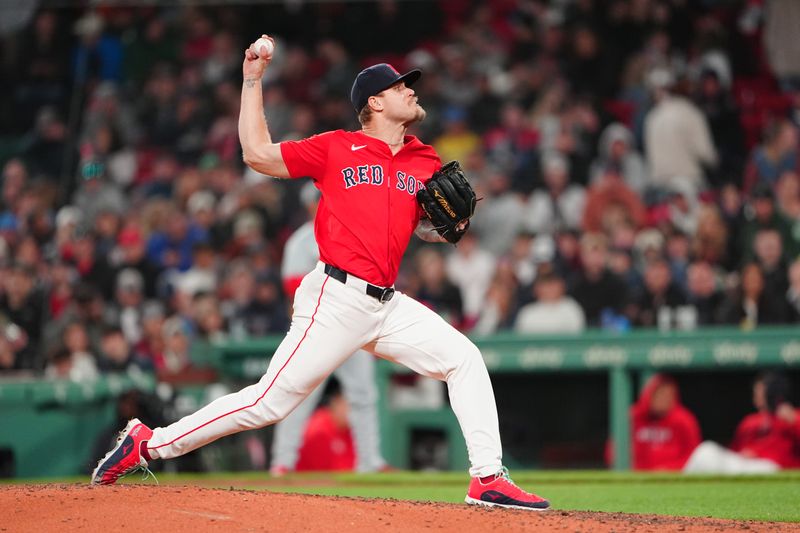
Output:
x=45 y=508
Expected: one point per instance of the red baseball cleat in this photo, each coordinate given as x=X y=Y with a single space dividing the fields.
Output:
x=503 y=492
x=126 y=457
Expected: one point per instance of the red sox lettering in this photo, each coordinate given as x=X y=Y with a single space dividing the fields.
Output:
x=373 y=175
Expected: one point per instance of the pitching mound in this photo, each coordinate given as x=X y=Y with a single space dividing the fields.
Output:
x=45 y=508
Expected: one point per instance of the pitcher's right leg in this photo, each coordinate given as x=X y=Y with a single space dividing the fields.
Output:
x=315 y=345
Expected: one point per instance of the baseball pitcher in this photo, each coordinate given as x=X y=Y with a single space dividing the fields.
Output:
x=378 y=186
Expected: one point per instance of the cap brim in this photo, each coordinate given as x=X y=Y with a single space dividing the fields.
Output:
x=409 y=78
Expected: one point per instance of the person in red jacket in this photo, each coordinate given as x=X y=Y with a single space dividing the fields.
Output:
x=773 y=432
x=664 y=432
x=327 y=441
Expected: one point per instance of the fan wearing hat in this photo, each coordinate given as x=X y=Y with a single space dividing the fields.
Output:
x=368 y=210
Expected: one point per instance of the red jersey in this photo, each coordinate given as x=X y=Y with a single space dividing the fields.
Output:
x=768 y=437
x=325 y=445
x=368 y=208
x=663 y=443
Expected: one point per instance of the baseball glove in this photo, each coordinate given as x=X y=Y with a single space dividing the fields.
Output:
x=449 y=201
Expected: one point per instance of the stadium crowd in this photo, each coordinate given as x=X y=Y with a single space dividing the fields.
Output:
x=637 y=162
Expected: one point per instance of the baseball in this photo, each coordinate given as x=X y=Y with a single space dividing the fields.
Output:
x=263 y=47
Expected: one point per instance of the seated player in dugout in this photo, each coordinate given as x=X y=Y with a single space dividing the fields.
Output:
x=765 y=441
x=664 y=433
x=378 y=187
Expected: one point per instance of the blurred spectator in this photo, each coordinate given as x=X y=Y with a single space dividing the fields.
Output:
x=175 y=359
x=471 y=269
x=108 y=112
x=210 y=322
x=497 y=312
x=435 y=290
x=98 y=56
x=511 y=146
x=47 y=150
x=596 y=288
x=678 y=255
x=131 y=253
x=253 y=304
x=92 y=267
x=88 y=307
x=116 y=354
x=21 y=303
x=769 y=256
x=787 y=194
x=661 y=297
x=151 y=345
x=456 y=141
x=716 y=103
x=340 y=72
x=609 y=202
x=589 y=69
x=677 y=139
x=748 y=305
x=559 y=205
x=763 y=214
x=60 y=289
x=553 y=311
x=266 y=313
x=95 y=193
x=75 y=361
x=12 y=340
x=106 y=228
x=171 y=247
x=682 y=208
x=793 y=293
x=782 y=17
x=664 y=432
x=703 y=292
x=40 y=66
x=710 y=240
x=78 y=367
x=128 y=299
x=616 y=150
x=499 y=217
x=774 y=156
x=154 y=42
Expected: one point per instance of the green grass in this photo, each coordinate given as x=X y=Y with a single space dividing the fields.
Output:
x=775 y=497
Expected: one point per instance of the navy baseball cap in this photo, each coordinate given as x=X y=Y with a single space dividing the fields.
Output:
x=377 y=78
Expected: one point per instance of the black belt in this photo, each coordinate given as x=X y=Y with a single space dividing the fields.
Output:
x=382 y=294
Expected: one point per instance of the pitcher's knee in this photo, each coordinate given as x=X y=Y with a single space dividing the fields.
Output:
x=466 y=355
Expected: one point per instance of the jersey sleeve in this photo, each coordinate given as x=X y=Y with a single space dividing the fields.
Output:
x=307 y=158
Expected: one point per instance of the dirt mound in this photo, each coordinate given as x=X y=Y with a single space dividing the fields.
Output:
x=45 y=508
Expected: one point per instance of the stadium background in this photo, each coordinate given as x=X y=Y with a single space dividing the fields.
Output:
x=131 y=232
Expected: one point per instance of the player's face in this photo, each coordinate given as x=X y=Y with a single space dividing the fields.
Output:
x=400 y=104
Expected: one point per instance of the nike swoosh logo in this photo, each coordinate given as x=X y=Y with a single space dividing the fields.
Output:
x=354 y=147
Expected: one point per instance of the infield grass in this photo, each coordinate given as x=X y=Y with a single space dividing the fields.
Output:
x=774 y=497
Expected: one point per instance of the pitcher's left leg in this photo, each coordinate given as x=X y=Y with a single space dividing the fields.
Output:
x=418 y=338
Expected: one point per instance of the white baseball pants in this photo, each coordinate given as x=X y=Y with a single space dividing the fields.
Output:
x=357 y=378
x=331 y=321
